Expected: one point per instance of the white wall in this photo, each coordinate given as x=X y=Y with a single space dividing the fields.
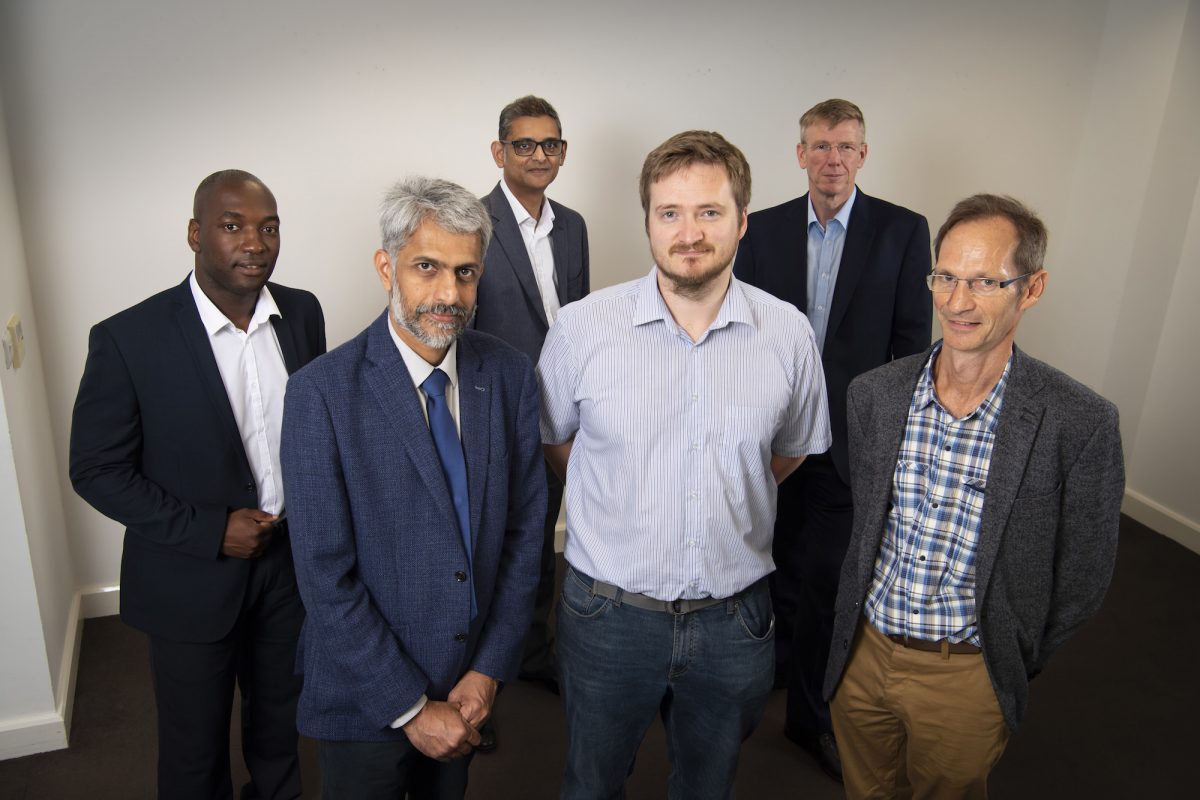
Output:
x=39 y=627
x=1084 y=109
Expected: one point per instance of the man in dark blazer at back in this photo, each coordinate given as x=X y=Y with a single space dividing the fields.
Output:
x=175 y=435
x=415 y=493
x=856 y=266
x=537 y=262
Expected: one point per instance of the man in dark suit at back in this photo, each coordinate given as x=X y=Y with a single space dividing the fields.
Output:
x=416 y=497
x=537 y=262
x=175 y=434
x=856 y=266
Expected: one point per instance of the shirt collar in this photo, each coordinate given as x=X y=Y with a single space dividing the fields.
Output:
x=925 y=394
x=214 y=319
x=545 y=220
x=650 y=307
x=418 y=368
x=843 y=215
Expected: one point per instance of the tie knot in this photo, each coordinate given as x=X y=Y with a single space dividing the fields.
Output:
x=435 y=384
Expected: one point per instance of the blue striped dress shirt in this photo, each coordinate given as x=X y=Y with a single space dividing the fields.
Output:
x=924 y=584
x=825 y=247
x=669 y=489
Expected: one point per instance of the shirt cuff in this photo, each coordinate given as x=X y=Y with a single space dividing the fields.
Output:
x=413 y=710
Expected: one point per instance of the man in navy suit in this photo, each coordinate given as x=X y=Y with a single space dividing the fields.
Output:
x=537 y=262
x=856 y=266
x=176 y=435
x=415 y=498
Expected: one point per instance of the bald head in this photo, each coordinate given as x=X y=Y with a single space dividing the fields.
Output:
x=222 y=178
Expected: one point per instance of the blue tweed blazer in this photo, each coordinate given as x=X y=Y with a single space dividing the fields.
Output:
x=1048 y=538
x=379 y=559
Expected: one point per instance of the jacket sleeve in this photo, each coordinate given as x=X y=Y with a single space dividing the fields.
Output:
x=106 y=457
x=912 y=317
x=342 y=619
x=1086 y=547
x=503 y=636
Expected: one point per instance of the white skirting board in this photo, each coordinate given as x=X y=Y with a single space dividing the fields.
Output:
x=40 y=733
x=1161 y=519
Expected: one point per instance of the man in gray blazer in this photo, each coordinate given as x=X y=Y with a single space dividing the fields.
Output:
x=537 y=263
x=987 y=495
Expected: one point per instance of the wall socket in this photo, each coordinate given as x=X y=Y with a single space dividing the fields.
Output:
x=14 y=343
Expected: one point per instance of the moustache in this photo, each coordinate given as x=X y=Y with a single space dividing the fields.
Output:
x=442 y=308
x=690 y=248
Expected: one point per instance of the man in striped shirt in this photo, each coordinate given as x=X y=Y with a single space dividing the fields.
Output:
x=987 y=493
x=673 y=405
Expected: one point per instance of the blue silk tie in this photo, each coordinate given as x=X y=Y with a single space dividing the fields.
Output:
x=449 y=450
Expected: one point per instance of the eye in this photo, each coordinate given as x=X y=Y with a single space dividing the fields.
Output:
x=424 y=266
x=270 y=230
x=848 y=149
x=987 y=283
x=945 y=280
x=230 y=226
x=710 y=213
x=821 y=147
x=668 y=215
x=468 y=274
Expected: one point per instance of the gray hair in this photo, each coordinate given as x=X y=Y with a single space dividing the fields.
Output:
x=414 y=199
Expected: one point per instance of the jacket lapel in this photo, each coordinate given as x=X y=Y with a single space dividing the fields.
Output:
x=558 y=244
x=859 y=235
x=389 y=381
x=286 y=338
x=191 y=330
x=474 y=421
x=1021 y=415
x=508 y=237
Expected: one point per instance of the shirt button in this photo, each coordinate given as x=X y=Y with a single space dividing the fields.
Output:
x=460 y=576
x=460 y=637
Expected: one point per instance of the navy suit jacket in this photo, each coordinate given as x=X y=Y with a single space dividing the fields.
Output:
x=881 y=306
x=379 y=559
x=509 y=305
x=1048 y=535
x=154 y=445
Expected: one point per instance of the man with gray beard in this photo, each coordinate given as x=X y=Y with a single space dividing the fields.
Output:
x=416 y=494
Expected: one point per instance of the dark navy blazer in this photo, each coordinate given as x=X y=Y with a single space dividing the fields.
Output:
x=379 y=559
x=155 y=446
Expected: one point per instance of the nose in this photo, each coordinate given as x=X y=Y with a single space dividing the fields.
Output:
x=445 y=288
x=252 y=240
x=835 y=155
x=960 y=298
x=690 y=231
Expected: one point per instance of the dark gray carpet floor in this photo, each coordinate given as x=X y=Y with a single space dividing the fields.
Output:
x=1113 y=716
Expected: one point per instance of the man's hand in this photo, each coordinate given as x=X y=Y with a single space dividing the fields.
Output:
x=474 y=693
x=439 y=731
x=247 y=533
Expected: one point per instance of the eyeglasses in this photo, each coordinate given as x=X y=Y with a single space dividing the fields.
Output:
x=525 y=147
x=845 y=149
x=941 y=283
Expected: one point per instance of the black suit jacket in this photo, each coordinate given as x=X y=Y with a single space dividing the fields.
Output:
x=509 y=305
x=154 y=445
x=881 y=306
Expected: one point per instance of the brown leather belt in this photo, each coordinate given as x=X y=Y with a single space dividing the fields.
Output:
x=943 y=646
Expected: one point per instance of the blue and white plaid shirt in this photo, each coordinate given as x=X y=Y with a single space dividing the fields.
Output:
x=924 y=585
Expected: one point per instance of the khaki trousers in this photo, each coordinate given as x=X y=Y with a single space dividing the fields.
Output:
x=911 y=723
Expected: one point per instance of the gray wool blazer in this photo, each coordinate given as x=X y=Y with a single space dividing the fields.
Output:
x=1049 y=530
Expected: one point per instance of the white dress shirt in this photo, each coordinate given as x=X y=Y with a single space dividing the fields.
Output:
x=252 y=369
x=536 y=234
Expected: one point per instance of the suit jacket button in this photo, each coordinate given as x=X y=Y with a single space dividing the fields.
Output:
x=460 y=637
x=248 y=486
x=460 y=576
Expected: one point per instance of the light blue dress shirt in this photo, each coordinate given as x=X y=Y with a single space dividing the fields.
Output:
x=824 y=258
x=669 y=489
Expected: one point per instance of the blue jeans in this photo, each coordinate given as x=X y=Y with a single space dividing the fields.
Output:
x=708 y=672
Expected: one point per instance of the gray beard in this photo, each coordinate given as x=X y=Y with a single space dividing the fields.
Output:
x=445 y=333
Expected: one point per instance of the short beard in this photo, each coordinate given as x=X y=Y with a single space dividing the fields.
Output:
x=692 y=286
x=445 y=333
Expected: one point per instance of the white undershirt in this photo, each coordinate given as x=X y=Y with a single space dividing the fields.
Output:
x=252 y=369
x=536 y=234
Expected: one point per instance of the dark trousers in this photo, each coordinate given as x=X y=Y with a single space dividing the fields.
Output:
x=538 y=656
x=388 y=771
x=193 y=692
x=812 y=533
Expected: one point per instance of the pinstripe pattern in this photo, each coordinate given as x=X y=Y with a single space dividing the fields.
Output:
x=924 y=583
x=669 y=490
